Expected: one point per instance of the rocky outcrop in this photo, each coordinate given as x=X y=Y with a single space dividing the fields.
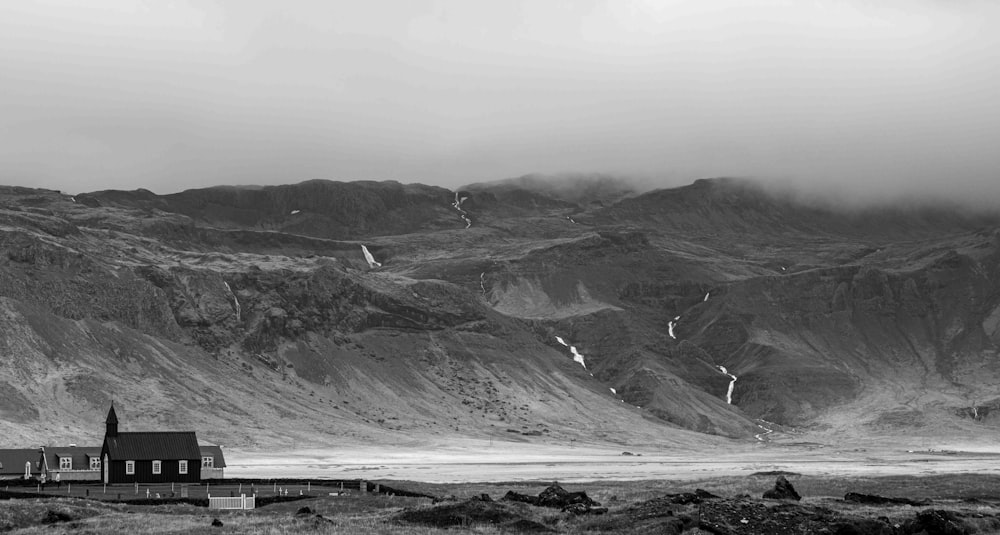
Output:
x=554 y=496
x=783 y=490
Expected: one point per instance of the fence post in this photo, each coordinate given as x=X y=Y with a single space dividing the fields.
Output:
x=243 y=501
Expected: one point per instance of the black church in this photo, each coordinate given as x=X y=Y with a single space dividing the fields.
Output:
x=149 y=456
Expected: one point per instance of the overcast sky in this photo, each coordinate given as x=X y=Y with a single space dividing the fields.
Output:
x=873 y=96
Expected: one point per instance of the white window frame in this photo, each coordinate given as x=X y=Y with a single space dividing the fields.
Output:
x=182 y=467
x=130 y=468
x=95 y=463
x=207 y=461
x=65 y=463
x=157 y=467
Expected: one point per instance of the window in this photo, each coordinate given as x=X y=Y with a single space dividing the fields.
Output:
x=129 y=468
x=65 y=463
x=182 y=467
x=156 y=466
x=207 y=462
x=95 y=463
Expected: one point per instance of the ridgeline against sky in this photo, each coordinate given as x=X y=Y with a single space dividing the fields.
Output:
x=875 y=99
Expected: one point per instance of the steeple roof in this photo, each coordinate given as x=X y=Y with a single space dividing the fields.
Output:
x=112 y=417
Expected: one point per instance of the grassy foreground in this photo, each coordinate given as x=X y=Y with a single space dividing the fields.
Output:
x=976 y=497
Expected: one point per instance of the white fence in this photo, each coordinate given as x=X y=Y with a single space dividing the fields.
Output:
x=231 y=503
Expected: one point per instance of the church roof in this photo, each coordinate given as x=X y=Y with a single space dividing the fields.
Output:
x=153 y=445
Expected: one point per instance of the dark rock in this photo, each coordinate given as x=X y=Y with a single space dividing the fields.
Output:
x=783 y=490
x=512 y=496
x=553 y=496
x=939 y=522
x=862 y=527
x=686 y=498
x=875 y=499
x=304 y=511
x=483 y=498
x=584 y=509
x=52 y=517
x=216 y=523
x=556 y=496
x=320 y=519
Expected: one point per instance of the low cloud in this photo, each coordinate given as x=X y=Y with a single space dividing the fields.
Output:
x=847 y=99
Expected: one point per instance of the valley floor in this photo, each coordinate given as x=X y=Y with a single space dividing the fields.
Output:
x=482 y=461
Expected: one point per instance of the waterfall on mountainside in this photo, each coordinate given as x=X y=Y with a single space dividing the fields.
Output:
x=458 y=206
x=732 y=384
x=236 y=302
x=371 y=259
x=671 y=325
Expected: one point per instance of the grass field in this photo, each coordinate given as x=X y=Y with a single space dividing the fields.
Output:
x=975 y=497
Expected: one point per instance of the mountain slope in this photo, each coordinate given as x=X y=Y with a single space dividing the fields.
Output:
x=719 y=308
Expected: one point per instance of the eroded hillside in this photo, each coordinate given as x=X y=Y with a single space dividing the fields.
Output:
x=515 y=311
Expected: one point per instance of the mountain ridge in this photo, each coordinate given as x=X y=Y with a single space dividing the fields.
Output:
x=832 y=322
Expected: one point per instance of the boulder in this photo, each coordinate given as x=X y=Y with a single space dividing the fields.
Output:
x=939 y=522
x=686 y=498
x=584 y=509
x=783 y=490
x=552 y=496
x=556 y=496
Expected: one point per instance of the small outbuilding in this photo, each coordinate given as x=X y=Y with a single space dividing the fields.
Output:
x=149 y=456
x=213 y=464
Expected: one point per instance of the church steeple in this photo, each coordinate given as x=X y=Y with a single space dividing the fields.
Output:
x=111 y=423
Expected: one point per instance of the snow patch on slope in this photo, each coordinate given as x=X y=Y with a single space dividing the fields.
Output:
x=577 y=357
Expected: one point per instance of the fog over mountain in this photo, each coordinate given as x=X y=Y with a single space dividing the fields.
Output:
x=867 y=100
